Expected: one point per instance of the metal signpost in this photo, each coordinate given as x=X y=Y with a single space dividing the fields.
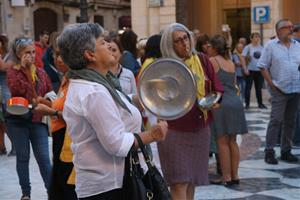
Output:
x=261 y=15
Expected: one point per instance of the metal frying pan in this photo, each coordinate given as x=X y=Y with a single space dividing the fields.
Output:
x=18 y=106
x=209 y=100
x=167 y=89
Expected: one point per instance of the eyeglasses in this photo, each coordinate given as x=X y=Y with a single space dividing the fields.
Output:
x=185 y=38
x=291 y=27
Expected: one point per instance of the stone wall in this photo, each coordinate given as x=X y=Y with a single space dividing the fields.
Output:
x=17 y=21
x=275 y=15
x=147 y=20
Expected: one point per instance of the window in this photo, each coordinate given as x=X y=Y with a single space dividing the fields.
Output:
x=125 y=21
x=77 y=19
x=99 y=19
x=239 y=22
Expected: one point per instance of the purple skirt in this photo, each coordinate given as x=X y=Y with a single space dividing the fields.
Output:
x=184 y=157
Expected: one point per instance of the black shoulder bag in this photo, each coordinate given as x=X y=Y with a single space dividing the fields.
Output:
x=140 y=186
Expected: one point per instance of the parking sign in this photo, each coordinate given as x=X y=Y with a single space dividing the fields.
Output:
x=261 y=14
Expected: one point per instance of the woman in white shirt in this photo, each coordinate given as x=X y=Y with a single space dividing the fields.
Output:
x=100 y=119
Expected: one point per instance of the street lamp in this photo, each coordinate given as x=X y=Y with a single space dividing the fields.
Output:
x=83 y=11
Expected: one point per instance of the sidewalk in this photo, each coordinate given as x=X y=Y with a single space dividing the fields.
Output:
x=257 y=179
x=10 y=189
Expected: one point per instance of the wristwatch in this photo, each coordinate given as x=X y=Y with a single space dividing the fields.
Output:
x=56 y=113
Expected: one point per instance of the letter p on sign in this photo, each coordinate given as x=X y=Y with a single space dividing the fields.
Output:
x=261 y=14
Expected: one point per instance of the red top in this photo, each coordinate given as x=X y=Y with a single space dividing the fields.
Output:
x=194 y=119
x=39 y=52
x=20 y=86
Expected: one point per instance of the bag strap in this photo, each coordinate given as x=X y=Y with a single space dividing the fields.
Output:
x=134 y=155
x=144 y=151
x=131 y=161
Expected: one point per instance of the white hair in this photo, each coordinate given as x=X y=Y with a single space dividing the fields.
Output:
x=166 y=44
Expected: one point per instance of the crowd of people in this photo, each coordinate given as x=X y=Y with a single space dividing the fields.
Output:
x=85 y=78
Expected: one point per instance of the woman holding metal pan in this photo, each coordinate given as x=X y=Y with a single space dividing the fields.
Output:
x=184 y=153
x=32 y=83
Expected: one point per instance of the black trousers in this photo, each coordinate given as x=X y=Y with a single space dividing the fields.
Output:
x=110 y=195
x=59 y=189
x=258 y=83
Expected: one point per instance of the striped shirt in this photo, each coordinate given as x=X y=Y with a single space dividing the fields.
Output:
x=283 y=64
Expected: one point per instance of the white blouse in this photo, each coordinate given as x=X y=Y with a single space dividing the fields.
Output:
x=102 y=134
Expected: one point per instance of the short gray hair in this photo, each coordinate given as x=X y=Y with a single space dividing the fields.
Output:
x=166 y=44
x=75 y=40
x=279 y=23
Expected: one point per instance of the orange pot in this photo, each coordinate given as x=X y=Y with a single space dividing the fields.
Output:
x=18 y=106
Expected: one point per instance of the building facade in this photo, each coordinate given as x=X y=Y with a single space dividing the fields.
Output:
x=208 y=16
x=150 y=16
x=147 y=17
x=34 y=16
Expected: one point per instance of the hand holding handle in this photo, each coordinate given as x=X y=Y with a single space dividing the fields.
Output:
x=159 y=131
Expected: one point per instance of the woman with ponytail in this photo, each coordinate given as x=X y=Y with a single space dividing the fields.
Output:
x=229 y=119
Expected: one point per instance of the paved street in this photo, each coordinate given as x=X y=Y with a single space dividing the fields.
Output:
x=258 y=180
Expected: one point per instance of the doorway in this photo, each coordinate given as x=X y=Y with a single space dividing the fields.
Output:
x=45 y=19
x=239 y=21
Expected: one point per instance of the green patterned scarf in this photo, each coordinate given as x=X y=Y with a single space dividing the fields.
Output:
x=110 y=82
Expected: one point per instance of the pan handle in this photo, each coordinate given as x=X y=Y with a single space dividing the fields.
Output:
x=31 y=106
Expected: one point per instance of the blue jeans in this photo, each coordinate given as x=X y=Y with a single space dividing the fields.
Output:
x=22 y=135
x=242 y=85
